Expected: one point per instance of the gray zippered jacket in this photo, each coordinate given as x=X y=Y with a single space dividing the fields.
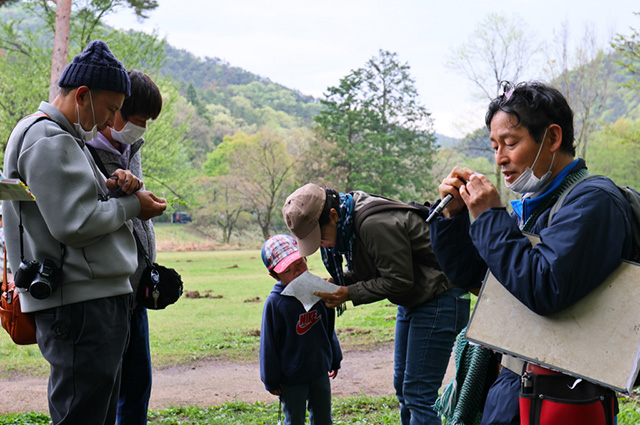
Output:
x=68 y=222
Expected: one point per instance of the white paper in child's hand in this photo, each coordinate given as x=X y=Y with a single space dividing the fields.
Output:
x=303 y=287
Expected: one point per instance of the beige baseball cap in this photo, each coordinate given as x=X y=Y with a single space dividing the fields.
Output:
x=301 y=212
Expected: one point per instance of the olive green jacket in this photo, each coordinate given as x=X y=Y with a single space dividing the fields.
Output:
x=393 y=259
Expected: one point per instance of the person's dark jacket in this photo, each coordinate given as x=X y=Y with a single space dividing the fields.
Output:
x=587 y=240
x=295 y=345
x=112 y=161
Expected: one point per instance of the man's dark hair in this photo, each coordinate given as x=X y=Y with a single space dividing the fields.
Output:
x=66 y=90
x=145 y=97
x=535 y=106
x=332 y=201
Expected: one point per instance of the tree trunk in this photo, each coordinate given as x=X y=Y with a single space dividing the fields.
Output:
x=60 y=45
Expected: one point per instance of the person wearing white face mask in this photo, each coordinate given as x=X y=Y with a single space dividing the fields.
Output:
x=84 y=134
x=527 y=182
x=83 y=232
x=531 y=132
x=118 y=147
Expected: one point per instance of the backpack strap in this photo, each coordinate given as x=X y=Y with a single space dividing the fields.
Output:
x=98 y=161
x=564 y=195
x=5 y=281
x=378 y=205
x=633 y=198
x=630 y=195
x=39 y=116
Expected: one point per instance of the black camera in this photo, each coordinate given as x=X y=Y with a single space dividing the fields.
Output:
x=41 y=279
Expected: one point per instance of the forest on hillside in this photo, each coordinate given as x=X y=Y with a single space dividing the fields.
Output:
x=230 y=145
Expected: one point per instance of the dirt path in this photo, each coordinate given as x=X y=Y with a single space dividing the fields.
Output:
x=217 y=382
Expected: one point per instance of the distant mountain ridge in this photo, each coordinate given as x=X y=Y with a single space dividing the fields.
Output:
x=218 y=81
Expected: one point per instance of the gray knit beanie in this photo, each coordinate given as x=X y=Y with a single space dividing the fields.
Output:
x=97 y=68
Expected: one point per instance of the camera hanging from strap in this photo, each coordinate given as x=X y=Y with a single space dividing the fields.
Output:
x=40 y=279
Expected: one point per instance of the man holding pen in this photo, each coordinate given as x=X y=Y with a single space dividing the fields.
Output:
x=531 y=132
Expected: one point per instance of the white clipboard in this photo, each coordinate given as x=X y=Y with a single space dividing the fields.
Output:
x=597 y=339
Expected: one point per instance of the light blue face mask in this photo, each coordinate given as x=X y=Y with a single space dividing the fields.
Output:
x=527 y=182
x=84 y=134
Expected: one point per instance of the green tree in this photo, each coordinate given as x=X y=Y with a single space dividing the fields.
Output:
x=381 y=137
x=81 y=19
x=222 y=208
x=86 y=15
x=26 y=60
x=24 y=67
x=584 y=74
x=628 y=47
x=616 y=152
x=261 y=169
x=166 y=163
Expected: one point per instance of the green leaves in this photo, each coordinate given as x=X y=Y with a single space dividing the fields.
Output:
x=628 y=48
x=381 y=137
x=255 y=170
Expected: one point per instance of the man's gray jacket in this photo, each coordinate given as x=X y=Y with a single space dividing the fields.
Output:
x=69 y=222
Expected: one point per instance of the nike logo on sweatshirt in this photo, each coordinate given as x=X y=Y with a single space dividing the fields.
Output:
x=306 y=321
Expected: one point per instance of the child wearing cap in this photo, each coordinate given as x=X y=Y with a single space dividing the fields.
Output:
x=299 y=349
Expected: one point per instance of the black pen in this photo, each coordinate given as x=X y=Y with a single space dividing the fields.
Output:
x=440 y=207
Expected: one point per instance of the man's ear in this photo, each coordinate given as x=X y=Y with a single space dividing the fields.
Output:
x=554 y=133
x=82 y=95
x=333 y=215
x=274 y=275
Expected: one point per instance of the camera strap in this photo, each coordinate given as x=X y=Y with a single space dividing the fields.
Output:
x=39 y=116
x=21 y=232
x=141 y=249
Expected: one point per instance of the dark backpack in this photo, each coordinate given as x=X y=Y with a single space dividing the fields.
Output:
x=380 y=203
x=630 y=194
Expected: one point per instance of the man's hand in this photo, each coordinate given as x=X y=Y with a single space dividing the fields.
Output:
x=276 y=392
x=150 y=205
x=471 y=189
x=333 y=300
x=479 y=194
x=333 y=374
x=123 y=181
x=451 y=185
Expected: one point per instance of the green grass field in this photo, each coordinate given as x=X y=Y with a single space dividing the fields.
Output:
x=223 y=321
x=219 y=315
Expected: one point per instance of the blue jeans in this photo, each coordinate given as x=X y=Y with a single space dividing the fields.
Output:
x=294 y=402
x=424 y=338
x=135 y=386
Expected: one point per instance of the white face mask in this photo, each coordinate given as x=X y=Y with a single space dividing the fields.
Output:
x=527 y=182
x=84 y=134
x=129 y=134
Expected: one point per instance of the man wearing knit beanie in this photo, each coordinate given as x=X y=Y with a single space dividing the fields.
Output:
x=79 y=223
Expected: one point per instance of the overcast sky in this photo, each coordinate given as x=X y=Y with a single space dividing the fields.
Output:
x=311 y=45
